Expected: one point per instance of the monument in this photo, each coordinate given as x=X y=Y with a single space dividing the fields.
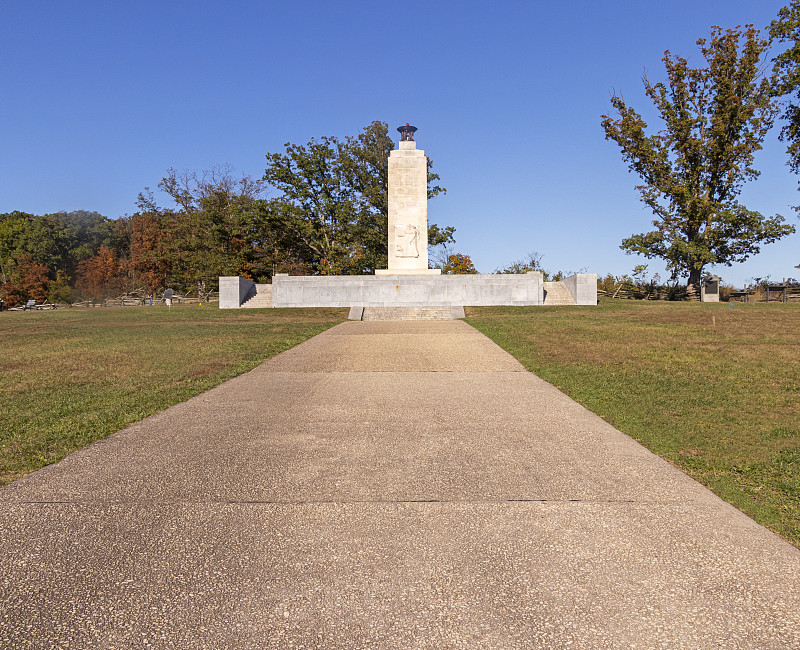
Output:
x=407 y=286
x=709 y=289
x=408 y=208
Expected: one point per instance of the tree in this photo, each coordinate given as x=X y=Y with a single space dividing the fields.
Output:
x=211 y=234
x=150 y=254
x=319 y=204
x=57 y=241
x=219 y=225
x=81 y=234
x=334 y=200
x=13 y=229
x=441 y=238
x=715 y=119
x=458 y=263
x=59 y=290
x=100 y=276
x=29 y=281
x=786 y=29
x=531 y=262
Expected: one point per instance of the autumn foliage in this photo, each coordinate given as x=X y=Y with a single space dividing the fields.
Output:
x=327 y=215
x=458 y=263
x=28 y=281
x=100 y=276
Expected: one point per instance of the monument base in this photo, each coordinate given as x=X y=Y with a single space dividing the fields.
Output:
x=403 y=290
x=408 y=272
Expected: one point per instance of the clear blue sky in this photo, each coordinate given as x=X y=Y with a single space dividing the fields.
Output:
x=100 y=98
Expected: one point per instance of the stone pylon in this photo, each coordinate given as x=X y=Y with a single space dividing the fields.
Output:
x=408 y=208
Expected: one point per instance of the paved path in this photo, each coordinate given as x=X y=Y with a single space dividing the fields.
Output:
x=384 y=485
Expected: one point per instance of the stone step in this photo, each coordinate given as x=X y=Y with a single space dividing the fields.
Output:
x=556 y=293
x=405 y=313
x=262 y=298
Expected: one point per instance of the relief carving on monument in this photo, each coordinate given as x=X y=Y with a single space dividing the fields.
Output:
x=407 y=237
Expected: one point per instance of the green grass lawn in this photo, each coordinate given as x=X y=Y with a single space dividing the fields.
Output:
x=713 y=388
x=70 y=377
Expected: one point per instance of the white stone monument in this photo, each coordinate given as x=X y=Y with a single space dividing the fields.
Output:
x=408 y=283
x=408 y=209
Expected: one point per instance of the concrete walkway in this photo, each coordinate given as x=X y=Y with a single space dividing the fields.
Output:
x=384 y=485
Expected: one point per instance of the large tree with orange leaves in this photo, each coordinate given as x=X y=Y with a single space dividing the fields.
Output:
x=101 y=276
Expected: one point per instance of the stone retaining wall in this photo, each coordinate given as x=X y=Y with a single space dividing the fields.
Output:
x=406 y=290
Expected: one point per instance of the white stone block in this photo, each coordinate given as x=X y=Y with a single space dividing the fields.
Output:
x=233 y=291
x=583 y=287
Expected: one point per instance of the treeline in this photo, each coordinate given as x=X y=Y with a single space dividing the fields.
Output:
x=40 y=256
x=330 y=216
x=533 y=262
x=639 y=287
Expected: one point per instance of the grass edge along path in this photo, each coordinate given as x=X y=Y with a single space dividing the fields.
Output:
x=71 y=377
x=712 y=388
